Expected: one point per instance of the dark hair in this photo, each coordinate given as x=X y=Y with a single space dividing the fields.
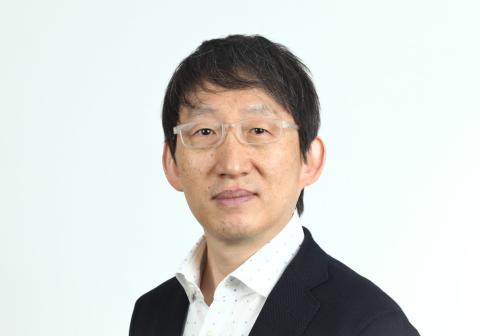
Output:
x=242 y=61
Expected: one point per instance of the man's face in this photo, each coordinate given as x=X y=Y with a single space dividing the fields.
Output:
x=266 y=178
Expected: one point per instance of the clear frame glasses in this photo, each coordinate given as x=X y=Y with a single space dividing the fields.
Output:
x=210 y=134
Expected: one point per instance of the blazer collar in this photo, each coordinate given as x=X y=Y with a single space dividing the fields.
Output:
x=291 y=306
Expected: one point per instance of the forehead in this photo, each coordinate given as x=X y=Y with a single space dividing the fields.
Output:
x=217 y=102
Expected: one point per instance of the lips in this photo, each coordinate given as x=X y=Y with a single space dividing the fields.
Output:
x=234 y=197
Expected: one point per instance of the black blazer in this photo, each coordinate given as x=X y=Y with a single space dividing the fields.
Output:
x=315 y=296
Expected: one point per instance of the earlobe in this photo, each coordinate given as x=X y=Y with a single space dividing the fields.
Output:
x=170 y=168
x=315 y=161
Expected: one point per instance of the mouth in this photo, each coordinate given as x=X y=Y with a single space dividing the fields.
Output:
x=234 y=197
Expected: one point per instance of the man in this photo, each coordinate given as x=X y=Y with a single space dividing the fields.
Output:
x=240 y=118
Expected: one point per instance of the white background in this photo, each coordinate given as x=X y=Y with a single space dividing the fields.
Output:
x=88 y=222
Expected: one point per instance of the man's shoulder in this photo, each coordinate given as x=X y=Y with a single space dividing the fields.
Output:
x=169 y=289
x=161 y=310
x=336 y=283
x=357 y=303
x=353 y=288
x=349 y=303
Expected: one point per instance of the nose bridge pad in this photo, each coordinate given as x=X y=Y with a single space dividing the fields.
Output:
x=236 y=130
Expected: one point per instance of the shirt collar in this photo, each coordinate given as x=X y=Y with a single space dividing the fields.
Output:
x=189 y=272
x=260 y=272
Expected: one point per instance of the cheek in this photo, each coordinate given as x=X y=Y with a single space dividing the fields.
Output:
x=194 y=173
x=282 y=170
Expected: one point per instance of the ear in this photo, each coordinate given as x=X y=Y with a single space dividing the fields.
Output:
x=315 y=161
x=170 y=168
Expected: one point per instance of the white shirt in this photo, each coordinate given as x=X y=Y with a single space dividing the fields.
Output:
x=239 y=298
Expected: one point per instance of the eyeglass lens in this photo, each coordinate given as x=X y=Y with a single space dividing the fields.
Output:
x=253 y=131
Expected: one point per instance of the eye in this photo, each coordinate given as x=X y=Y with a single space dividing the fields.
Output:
x=258 y=130
x=203 y=132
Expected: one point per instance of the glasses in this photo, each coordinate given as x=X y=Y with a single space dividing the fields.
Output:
x=210 y=134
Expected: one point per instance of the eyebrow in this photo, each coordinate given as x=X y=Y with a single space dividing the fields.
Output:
x=259 y=109
x=200 y=110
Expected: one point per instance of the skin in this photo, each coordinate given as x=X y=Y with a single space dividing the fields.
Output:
x=275 y=173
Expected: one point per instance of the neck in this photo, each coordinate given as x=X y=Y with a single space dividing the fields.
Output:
x=223 y=257
x=221 y=260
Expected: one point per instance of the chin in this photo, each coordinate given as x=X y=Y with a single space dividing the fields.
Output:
x=234 y=231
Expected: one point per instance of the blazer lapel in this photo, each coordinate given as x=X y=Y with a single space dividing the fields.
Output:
x=291 y=306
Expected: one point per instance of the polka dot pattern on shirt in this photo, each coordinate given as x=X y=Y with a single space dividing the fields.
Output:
x=239 y=298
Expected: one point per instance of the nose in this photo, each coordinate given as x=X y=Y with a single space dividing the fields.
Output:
x=233 y=158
